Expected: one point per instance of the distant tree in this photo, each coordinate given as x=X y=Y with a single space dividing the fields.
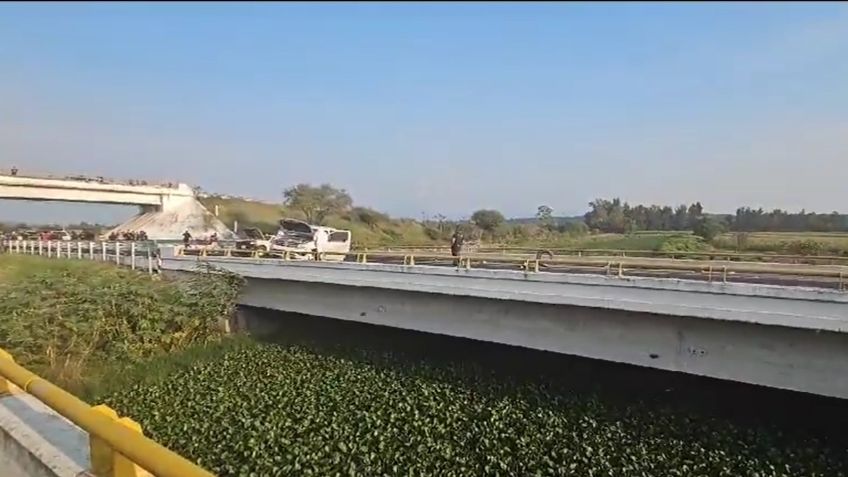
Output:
x=317 y=203
x=488 y=220
x=707 y=228
x=544 y=215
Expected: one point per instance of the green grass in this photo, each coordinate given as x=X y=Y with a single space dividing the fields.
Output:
x=831 y=243
x=266 y=217
x=66 y=319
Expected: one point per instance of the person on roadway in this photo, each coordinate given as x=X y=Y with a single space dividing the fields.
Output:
x=456 y=244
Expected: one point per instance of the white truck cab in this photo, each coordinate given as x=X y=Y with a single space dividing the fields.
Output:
x=303 y=240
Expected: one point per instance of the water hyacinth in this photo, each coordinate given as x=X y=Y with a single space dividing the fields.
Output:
x=268 y=410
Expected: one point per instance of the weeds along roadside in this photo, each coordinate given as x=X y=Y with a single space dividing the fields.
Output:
x=71 y=321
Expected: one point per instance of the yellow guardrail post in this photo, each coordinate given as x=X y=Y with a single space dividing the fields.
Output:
x=118 y=448
x=122 y=466
x=101 y=455
x=6 y=386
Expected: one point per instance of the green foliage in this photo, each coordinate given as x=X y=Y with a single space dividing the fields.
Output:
x=574 y=228
x=488 y=220
x=707 y=228
x=682 y=243
x=287 y=410
x=805 y=247
x=63 y=317
x=544 y=214
x=317 y=203
x=369 y=217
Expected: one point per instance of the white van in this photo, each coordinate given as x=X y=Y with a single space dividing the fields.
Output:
x=302 y=240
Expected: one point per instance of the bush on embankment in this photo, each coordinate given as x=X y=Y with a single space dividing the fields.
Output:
x=69 y=320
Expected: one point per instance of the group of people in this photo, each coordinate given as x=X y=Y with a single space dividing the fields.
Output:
x=211 y=240
x=102 y=180
x=129 y=236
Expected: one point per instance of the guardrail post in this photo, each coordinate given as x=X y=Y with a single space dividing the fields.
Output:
x=132 y=255
x=102 y=456
x=122 y=466
x=79 y=250
x=620 y=269
x=91 y=250
x=69 y=249
x=6 y=386
x=149 y=261
x=103 y=247
x=724 y=274
x=118 y=253
x=40 y=248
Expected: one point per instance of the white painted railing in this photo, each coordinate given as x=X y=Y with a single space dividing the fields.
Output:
x=135 y=255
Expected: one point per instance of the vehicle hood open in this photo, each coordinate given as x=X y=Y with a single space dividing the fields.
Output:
x=253 y=233
x=294 y=226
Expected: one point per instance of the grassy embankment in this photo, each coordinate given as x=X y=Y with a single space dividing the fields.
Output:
x=370 y=401
x=386 y=231
x=266 y=217
x=73 y=321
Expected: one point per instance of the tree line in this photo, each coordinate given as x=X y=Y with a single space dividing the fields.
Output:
x=616 y=216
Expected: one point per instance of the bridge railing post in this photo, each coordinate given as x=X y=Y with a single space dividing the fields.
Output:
x=69 y=249
x=149 y=261
x=118 y=253
x=103 y=248
x=91 y=250
x=132 y=255
x=79 y=250
x=40 y=248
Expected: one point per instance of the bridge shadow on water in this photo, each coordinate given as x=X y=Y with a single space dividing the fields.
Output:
x=794 y=414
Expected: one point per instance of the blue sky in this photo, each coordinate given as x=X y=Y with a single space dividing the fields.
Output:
x=435 y=108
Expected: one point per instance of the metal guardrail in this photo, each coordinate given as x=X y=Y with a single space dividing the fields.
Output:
x=117 y=446
x=738 y=256
x=138 y=255
x=123 y=253
x=837 y=275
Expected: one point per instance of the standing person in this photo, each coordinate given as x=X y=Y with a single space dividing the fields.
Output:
x=186 y=238
x=456 y=245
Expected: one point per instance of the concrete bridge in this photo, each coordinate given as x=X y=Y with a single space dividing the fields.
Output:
x=166 y=211
x=792 y=338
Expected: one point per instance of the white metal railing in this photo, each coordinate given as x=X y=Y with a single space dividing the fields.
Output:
x=136 y=255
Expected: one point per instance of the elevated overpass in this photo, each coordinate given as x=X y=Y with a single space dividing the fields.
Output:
x=166 y=210
x=159 y=197
x=785 y=337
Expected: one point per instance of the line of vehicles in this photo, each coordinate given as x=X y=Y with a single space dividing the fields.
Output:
x=295 y=237
x=298 y=238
